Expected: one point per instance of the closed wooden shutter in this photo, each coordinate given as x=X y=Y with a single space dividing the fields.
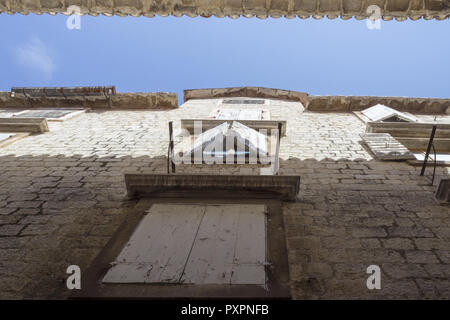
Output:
x=238 y=114
x=4 y=136
x=386 y=147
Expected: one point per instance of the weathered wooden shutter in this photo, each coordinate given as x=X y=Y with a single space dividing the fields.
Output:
x=386 y=147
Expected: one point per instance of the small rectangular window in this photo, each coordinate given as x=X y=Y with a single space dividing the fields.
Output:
x=237 y=114
x=195 y=244
x=225 y=142
x=8 y=138
x=383 y=113
x=243 y=101
x=440 y=157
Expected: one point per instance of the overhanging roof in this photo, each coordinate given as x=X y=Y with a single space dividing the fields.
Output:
x=346 y=9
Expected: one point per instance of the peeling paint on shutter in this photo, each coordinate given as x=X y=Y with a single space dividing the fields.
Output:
x=443 y=191
x=385 y=147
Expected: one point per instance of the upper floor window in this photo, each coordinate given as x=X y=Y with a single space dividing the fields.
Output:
x=383 y=113
x=8 y=138
x=243 y=101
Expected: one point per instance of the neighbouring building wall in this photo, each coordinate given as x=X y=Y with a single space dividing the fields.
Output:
x=62 y=196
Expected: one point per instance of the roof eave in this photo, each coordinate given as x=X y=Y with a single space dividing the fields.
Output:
x=345 y=9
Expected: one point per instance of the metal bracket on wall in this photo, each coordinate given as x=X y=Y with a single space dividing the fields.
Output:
x=170 y=149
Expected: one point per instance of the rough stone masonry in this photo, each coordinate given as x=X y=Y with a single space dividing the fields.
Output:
x=62 y=196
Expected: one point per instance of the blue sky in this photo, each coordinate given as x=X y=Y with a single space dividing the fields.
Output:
x=321 y=57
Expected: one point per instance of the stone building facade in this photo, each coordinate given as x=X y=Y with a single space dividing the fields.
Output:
x=63 y=196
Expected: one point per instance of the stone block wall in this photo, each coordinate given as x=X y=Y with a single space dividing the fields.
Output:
x=62 y=196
